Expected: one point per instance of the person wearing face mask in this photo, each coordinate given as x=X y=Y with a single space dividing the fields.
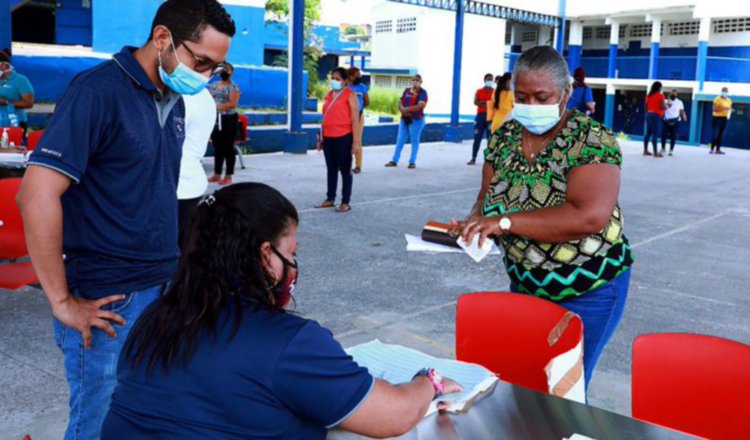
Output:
x=101 y=189
x=360 y=89
x=673 y=115
x=722 y=109
x=481 y=127
x=226 y=94
x=411 y=105
x=340 y=138
x=16 y=94
x=220 y=357
x=549 y=194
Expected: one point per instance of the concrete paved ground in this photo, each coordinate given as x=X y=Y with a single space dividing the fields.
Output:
x=687 y=217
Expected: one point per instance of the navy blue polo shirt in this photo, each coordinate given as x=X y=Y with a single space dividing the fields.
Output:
x=280 y=377
x=119 y=139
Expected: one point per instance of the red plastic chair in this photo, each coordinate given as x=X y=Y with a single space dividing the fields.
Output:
x=693 y=383
x=242 y=137
x=33 y=138
x=13 y=275
x=508 y=334
x=15 y=134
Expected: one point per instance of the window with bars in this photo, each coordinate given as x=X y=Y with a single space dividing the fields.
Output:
x=508 y=34
x=684 y=28
x=603 y=32
x=382 y=27
x=643 y=30
x=403 y=82
x=406 y=25
x=381 y=81
x=728 y=25
x=528 y=36
x=623 y=31
x=588 y=31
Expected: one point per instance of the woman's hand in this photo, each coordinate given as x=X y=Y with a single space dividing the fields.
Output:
x=318 y=142
x=356 y=147
x=485 y=226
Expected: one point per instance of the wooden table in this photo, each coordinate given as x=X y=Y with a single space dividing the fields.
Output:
x=511 y=412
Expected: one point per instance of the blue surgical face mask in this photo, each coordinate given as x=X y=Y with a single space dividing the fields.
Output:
x=335 y=84
x=183 y=80
x=489 y=84
x=724 y=94
x=537 y=118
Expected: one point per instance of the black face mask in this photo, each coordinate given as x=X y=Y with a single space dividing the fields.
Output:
x=672 y=97
x=357 y=81
x=225 y=76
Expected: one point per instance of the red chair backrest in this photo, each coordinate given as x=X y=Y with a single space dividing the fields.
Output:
x=12 y=238
x=508 y=334
x=33 y=138
x=15 y=135
x=693 y=383
x=243 y=127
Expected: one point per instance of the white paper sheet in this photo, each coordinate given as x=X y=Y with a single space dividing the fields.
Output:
x=12 y=157
x=473 y=250
x=416 y=244
x=398 y=364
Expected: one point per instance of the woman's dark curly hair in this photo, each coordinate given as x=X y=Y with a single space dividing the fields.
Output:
x=221 y=267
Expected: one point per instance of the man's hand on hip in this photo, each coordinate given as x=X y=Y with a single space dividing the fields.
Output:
x=82 y=314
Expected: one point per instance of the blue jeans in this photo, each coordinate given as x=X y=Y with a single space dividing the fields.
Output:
x=412 y=131
x=653 y=130
x=600 y=310
x=91 y=373
x=481 y=129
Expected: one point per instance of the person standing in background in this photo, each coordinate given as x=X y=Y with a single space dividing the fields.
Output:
x=481 y=98
x=674 y=113
x=16 y=92
x=226 y=95
x=581 y=98
x=339 y=138
x=360 y=89
x=412 y=104
x=722 y=109
x=501 y=102
x=200 y=115
x=654 y=113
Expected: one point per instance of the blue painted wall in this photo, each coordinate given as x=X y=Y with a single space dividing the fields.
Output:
x=730 y=64
x=73 y=23
x=50 y=76
x=110 y=34
x=738 y=127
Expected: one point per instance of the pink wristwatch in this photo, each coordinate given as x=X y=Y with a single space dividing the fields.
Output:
x=435 y=379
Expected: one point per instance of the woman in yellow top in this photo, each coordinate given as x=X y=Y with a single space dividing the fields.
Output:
x=501 y=103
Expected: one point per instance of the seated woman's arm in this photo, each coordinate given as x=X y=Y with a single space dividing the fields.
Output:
x=590 y=200
x=391 y=410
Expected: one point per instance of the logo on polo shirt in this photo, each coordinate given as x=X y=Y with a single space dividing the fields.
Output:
x=51 y=152
x=179 y=125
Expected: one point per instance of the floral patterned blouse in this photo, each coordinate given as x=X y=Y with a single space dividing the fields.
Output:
x=554 y=270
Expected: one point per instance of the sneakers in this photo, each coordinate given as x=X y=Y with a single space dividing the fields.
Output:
x=471 y=162
x=391 y=164
x=720 y=152
x=412 y=166
x=670 y=153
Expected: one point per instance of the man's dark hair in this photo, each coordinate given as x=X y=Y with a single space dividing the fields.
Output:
x=187 y=19
x=488 y=75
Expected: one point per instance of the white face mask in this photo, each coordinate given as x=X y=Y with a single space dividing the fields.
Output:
x=538 y=118
x=489 y=84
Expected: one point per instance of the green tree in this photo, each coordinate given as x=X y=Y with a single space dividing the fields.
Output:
x=278 y=10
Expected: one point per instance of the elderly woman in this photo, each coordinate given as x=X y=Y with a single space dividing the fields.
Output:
x=549 y=194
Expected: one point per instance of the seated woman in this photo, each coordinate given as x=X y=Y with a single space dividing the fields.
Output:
x=219 y=357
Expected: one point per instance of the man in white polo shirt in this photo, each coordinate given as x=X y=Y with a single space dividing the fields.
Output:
x=673 y=115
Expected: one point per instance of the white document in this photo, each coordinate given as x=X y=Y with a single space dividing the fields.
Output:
x=416 y=244
x=13 y=158
x=473 y=250
x=399 y=364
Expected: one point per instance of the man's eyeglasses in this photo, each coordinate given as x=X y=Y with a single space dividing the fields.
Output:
x=203 y=66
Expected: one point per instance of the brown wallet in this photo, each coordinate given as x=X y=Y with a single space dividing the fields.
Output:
x=441 y=233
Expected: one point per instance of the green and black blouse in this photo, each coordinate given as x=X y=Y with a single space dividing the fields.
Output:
x=554 y=270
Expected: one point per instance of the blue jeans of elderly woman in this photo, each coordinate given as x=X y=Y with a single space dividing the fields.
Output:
x=412 y=131
x=600 y=310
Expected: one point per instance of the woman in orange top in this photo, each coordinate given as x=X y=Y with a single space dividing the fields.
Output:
x=340 y=137
x=501 y=103
x=655 y=106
